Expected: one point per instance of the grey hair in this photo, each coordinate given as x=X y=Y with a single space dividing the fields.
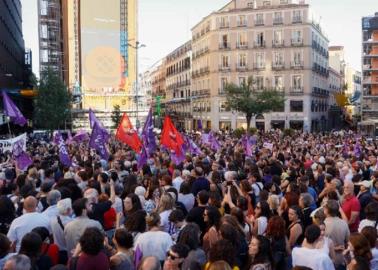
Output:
x=21 y=262
x=53 y=197
x=230 y=175
x=307 y=199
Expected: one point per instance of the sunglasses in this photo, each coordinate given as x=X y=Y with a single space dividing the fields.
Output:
x=173 y=257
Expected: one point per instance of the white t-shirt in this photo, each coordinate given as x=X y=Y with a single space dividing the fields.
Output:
x=187 y=200
x=24 y=224
x=262 y=223
x=176 y=183
x=51 y=212
x=311 y=258
x=164 y=220
x=154 y=243
x=366 y=222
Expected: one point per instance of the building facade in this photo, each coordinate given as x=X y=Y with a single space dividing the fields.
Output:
x=278 y=45
x=369 y=106
x=178 y=82
x=93 y=45
x=12 y=48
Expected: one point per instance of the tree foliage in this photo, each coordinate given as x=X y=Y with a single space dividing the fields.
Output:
x=52 y=104
x=116 y=116
x=252 y=101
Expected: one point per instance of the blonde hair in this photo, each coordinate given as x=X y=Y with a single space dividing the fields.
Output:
x=166 y=202
x=219 y=265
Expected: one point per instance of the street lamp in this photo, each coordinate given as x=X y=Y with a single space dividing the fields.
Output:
x=137 y=46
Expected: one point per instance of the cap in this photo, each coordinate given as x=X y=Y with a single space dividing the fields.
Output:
x=364 y=183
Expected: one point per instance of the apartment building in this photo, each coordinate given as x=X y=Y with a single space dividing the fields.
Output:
x=369 y=104
x=279 y=45
x=178 y=80
x=158 y=90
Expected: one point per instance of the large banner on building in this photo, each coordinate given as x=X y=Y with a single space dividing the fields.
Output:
x=10 y=144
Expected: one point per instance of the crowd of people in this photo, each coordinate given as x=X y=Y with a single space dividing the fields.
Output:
x=304 y=201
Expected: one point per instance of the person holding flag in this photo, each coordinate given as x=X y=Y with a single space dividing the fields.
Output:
x=128 y=135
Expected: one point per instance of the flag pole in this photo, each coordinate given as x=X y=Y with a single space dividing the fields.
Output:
x=9 y=129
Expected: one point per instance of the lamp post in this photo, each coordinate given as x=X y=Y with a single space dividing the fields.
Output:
x=137 y=46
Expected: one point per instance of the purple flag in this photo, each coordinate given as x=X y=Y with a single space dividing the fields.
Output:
x=148 y=136
x=357 y=149
x=193 y=148
x=199 y=124
x=80 y=136
x=138 y=255
x=214 y=144
x=98 y=140
x=11 y=110
x=93 y=119
x=142 y=158
x=69 y=137
x=205 y=138
x=63 y=153
x=177 y=158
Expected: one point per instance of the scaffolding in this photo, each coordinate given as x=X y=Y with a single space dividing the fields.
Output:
x=50 y=36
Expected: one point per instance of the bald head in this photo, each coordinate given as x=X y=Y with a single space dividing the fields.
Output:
x=30 y=204
x=149 y=263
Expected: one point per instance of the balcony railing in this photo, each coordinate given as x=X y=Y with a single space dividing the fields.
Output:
x=224 y=25
x=221 y=92
x=259 y=44
x=297 y=65
x=241 y=23
x=296 y=91
x=259 y=22
x=225 y=46
x=258 y=66
x=277 y=21
x=369 y=80
x=224 y=68
x=241 y=68
x=297 y=41
x=200 y=93
x=278 y=43
x=278 y=65
x=242 y=46
x=297 y=19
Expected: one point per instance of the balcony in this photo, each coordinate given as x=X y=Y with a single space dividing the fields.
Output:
x=259 y=44
x=225 y=46
x=297 y=42
x=243 y=46
x=369 y=80
x=277 y=21
x=278 y=43
x=204 y=71
x=371 y=55
x=259 y=66
x=296 y=91
x=241 y=68
x=370 y=41
x=224 y=25
x=221 y=92
x=319 y=92
x=224 y=68
x=297 y=65
x=369 y=68
x=259 y=22
x=241 y=23
x=278 y=66
x=297 y=19
x=200 y=93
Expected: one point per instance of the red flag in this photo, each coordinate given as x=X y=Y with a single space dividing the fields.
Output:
x=128 y=135
x=170 y=137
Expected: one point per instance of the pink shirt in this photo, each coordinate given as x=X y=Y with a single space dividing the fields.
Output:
x=350 y=205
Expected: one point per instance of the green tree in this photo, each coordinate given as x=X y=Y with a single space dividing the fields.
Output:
x=116 y=116
x=52 y=104
x=252 y=101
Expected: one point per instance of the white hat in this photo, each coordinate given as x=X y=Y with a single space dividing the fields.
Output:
x=322 y=160
x=364 y=183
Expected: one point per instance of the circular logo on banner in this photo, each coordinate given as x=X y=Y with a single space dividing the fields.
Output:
x=103 y=68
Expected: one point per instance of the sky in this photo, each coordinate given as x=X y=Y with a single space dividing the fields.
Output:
x=164 y=25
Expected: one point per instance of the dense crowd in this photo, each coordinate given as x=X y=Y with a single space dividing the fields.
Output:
x=304 y=201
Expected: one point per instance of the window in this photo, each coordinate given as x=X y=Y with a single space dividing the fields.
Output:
x=277 y=36
x=297 y=36
x=277 y=59
x=296 y=106
x=242 y=61
x=297 y=83
x=259 y=19
x=224 y=22
x=223 y=106
x=224 y=43
x=225 y=61
x=297 y=16
x=277 y=18
x=251 y=4
x=242 y=20
x=44 y=6
x=242 y=81
x=260 y=59
x=224 y=82
x=278 y=82
x=297 y=58
x=44 y=31
x=260 y=39
x=259 y=83
x=242 y=39
x=44 y=56
x=266 y=3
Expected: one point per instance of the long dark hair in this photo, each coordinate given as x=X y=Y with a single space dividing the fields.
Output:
x=264 y=255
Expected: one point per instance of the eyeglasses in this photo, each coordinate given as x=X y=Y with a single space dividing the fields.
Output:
x=173 y=257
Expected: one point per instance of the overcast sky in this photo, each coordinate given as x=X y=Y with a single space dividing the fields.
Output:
x=165 y=24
